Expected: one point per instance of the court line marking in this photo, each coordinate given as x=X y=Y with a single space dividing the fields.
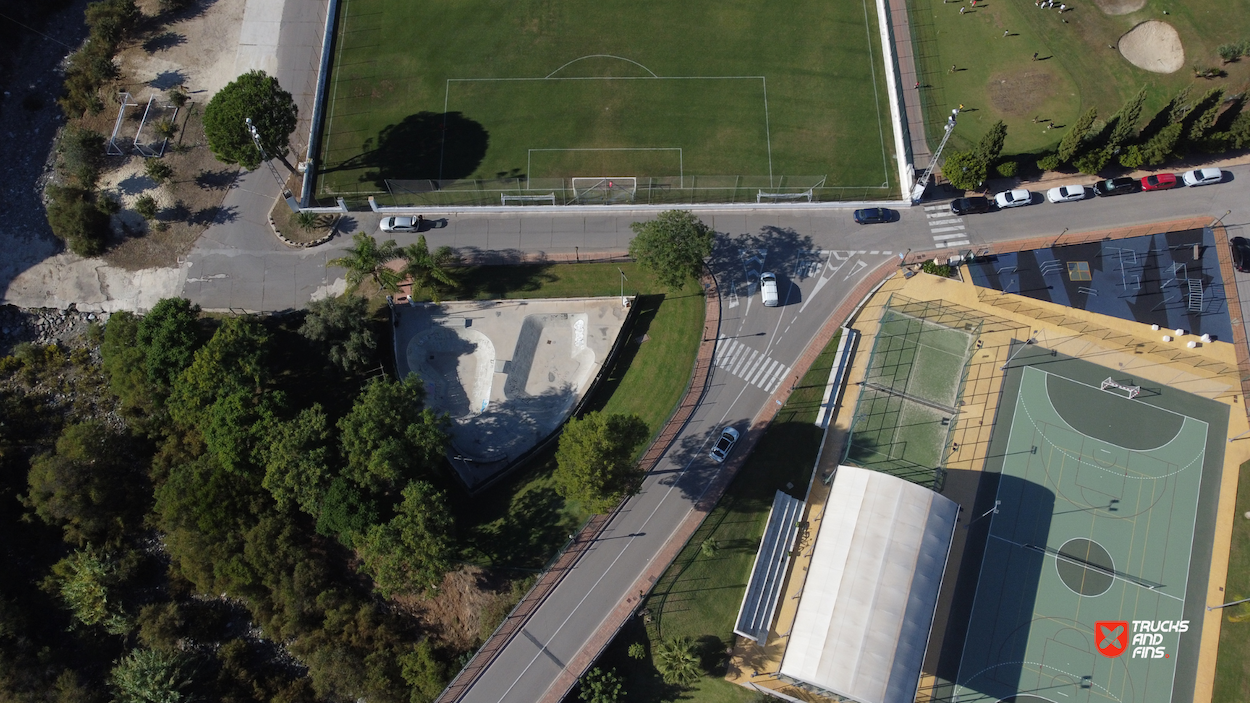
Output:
x=602 y=56
x=1077 y=677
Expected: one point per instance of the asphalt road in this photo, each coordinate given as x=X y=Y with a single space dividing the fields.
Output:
x=758 y=346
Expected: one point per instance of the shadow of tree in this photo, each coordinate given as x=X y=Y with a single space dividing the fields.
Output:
x=495 y=282
x=163 y=41
x=168 y=79
x=426 y=146
x=217 y=180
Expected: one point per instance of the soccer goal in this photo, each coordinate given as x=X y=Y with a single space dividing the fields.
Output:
x=604 y=189
x=806 y=195
x=528 y=199
x=1133 y=391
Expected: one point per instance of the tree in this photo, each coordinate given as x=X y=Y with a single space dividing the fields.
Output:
x=678 y=661
x=1126 y=120
x=411 y=553
x=389 y=436
x=594 y=463
x=81 y=153
x=1239 y=130
x=342 y=325
x=296 y=456
x=673 y=246
x=88 y=487
x=1203 y=115
x=423 y=672
x=271 y=109
x=429 y=271
x=345 y=512
x=965 y=170
x=232 y=360
x=1071 y=142
x=124 y=363
x=991 y=145
x=366 y=259
x=168 y=337
x=600 y=686
x=1160 y=147
x=150 y=676
x=83 y=581
x=77 y=216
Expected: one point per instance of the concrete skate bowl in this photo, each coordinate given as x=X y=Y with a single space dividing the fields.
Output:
x=1154 y=46
x=550 y=370
x=457 y=366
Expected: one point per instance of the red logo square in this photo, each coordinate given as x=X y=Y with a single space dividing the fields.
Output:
x=1111 y=637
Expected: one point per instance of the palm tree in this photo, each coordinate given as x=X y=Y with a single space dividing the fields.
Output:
x=429 y=270
x=678 y=660
x=367 y=259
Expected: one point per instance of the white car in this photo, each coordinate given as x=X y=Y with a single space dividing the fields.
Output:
x=1203 y=177
x=402 y=224
x=768 y=289
x=1013 y=198
x=1066 y=194
x=728 y=437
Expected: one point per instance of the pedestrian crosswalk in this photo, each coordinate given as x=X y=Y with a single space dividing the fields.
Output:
x=749 y=364
x=946 y=228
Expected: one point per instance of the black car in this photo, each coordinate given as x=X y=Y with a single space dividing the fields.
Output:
x=873 y=215
x=964 y=206
x=1241 y=253
x=1116 y=186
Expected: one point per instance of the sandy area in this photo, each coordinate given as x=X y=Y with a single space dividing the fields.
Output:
x=197 y=51
x=1154 y=46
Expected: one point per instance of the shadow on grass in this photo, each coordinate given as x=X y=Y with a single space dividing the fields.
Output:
x=648 y=306
x=494 y=282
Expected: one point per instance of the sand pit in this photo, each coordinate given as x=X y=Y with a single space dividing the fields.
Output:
x=508 y=373
x=1154 y=46
x=1119 y=7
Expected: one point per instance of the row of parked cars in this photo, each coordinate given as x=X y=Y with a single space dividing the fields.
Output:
x=1104 y=188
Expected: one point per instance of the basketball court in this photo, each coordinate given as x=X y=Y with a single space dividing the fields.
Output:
x=1104 y=512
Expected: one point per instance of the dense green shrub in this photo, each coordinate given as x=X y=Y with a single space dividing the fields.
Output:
x=75 y=215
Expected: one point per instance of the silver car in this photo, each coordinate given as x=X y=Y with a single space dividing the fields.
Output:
x=1013 y=198
x=728 y=438
x=1203 y=177
x=402 y=224
x=1066 y=194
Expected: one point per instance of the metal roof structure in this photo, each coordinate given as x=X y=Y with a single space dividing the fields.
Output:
x=868 y=602
x=759 y=602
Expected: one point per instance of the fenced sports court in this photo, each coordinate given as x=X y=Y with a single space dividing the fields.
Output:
x=1104 y=510
x=908 y=400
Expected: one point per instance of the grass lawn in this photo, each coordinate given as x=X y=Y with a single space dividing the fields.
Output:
x=555 y=89
x=522 y=521
x=996 y=78
x=699 y=595
x=1232 y=667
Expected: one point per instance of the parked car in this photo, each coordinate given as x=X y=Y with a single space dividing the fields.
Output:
x=768 y=289
x=1066 y=194
x=728 y=438
x=873 y=215
x=402 y=224
x=1203 y=177
x=1241 y=253
x=1159 y=181
x=967 y=206
x=1116 y=186
x=1013 y=198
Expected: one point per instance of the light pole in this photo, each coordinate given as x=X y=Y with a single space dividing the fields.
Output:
x=286 y=194
x=623 y=279
x=918 y=191
x=1225 y=605
x=1027 y=342
x=1226 y=214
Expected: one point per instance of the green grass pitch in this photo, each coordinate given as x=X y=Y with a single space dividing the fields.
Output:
x=431 y=89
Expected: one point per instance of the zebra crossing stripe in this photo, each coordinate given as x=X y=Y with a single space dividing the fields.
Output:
x=779 y=374
x=940 y=237
x=956 y=228
x=728 y=356
x=762 y=374
x=931 y=208
x=951 y=221
x=943 y=245
x=746 y=372
x=739 y=363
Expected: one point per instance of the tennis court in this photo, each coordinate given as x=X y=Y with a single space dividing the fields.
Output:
x=1101 y=514
x=909 y=396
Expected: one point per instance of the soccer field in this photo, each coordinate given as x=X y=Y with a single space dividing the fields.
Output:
x=753 y=94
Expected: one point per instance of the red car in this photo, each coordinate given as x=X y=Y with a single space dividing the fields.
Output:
x=1160 y=181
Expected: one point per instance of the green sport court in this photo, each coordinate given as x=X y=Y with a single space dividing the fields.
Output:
x=535 y=91
x=1104 y=511
x=909 y=395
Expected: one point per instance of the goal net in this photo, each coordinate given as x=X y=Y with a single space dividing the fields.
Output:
x=762 y=196
x=604 y=189
x=1133 y=391
x=549 y=199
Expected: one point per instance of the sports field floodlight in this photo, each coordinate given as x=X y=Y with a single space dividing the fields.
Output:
x=1027 y=342
x=918 y=191
x=286 y=194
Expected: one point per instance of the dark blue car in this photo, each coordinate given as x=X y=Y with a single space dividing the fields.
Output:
x=873 y=215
